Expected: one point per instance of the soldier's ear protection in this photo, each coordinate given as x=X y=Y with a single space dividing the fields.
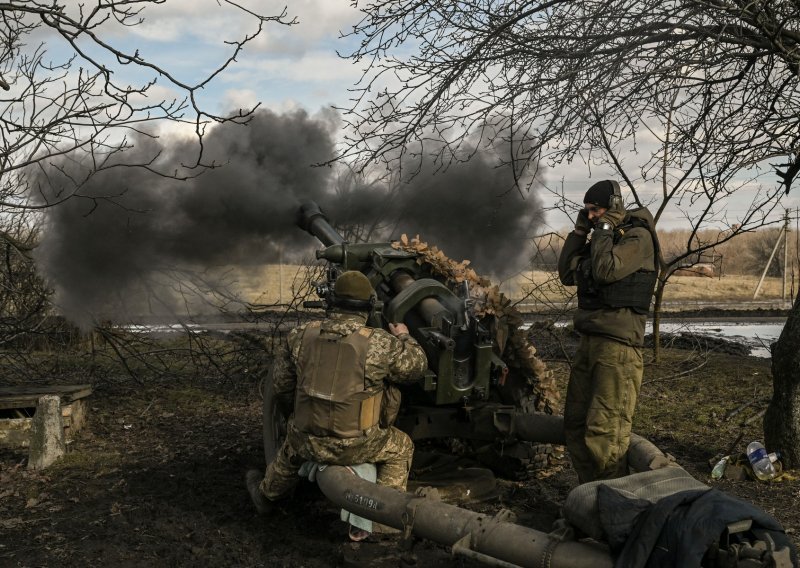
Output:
x=353 y=304
x=615 y=202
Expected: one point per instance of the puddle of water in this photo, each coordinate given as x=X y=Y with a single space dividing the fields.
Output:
x=757 y=336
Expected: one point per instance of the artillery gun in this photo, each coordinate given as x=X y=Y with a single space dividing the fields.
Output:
x=470 y=392
x=462 y=365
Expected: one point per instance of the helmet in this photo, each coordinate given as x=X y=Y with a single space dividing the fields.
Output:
x=353 y=285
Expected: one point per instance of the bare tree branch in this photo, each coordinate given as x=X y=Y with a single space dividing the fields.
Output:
x=726 y=69
x=76 y=101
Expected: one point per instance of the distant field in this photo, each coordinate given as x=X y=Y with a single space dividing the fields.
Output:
x=272 y=284
x=733 y=288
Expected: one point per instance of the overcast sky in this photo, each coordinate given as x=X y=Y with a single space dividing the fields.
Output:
x=295 y=66
x=285 y=67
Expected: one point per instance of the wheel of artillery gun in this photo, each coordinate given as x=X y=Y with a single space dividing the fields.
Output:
x=274 y=422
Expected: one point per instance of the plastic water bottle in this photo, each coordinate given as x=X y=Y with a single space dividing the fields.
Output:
x=759 y=459
x=719 y=468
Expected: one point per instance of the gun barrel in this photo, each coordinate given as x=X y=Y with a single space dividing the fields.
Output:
x=311 y=219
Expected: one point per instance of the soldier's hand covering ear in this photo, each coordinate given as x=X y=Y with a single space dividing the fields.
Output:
x=613 y=217
x=582 y=224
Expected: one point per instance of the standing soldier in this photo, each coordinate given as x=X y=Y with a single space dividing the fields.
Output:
x=334 y=374
x=615 y=272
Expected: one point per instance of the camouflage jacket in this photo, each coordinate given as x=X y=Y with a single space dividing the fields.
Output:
x=634 y=250
x=389 y=358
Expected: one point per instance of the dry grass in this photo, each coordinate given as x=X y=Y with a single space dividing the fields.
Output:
x=727 y=288
x=270 y=284
x=273 y=284
x=730 y=288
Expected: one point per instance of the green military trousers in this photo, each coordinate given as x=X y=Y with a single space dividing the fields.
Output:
x=601 y=398
x=389 y=449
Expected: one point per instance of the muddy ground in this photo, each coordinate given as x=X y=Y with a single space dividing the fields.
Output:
x=155 y=478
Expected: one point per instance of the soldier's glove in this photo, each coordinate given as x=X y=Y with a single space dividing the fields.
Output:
x=582 y=224
x=611 y=218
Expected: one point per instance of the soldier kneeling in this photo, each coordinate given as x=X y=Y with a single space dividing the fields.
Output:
x=335 y=374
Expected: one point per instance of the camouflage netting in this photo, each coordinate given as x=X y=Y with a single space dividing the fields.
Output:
x=497 y=313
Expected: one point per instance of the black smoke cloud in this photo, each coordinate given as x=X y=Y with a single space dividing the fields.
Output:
x=102 y=248
x=472 y=210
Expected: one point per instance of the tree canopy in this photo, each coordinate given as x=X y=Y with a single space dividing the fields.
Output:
x=75 y=98
x=72 y=87
x=707 y=88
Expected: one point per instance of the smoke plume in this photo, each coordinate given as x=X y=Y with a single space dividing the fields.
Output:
x=128 y=231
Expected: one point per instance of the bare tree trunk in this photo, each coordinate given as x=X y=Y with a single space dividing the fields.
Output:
x=659 y=298
x=782 y=420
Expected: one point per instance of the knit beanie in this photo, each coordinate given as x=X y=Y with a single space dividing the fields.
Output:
x=600 y=193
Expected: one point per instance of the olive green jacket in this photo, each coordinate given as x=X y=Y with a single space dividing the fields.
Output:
x=635 y=250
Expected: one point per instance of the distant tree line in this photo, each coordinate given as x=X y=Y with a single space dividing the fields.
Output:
x=747 y=254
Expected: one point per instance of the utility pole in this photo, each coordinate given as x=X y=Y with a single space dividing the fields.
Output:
x=280 y=274
x=785 y=255
x=784 y=230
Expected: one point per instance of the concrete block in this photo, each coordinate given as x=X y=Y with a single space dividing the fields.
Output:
x=47 y=433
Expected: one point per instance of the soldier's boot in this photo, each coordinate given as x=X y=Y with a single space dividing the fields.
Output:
x=253 y=480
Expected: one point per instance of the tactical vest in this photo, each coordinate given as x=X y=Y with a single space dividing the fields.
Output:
x=332 y=398
x=635 y=291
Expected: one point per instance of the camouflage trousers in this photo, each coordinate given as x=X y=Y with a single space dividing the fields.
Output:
x=389 y=449
x=601 y=398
